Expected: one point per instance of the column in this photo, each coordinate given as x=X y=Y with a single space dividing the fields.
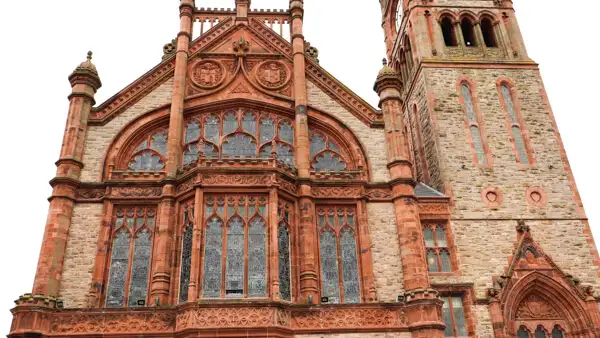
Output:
x=84 y=83
x=366 y=257
x=274 y=243
x=422 y=303
x=161 y=271
x=195 y=280
x=309 y=286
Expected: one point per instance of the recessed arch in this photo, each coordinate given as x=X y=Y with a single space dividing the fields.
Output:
x=538 y=287
x=125 y=143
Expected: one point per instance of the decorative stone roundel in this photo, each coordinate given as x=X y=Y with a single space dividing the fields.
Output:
x=536 y=197
x=492 y=197
x=208 y=74
x=272 y=74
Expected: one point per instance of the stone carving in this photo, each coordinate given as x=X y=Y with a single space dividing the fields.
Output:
x=433 y=209
x=225 y=318
x=534 y=307
x=287 y=186
x=185 y=186
x=336 y=192
x=112 y=323
x=235 y=180
x=379 y=193
x=240 y=89
x=169 y=49
x=346 y=318
x=136 y=192
x=208 y=74
x=241 y=47
x=272 y=74
x=90 y=194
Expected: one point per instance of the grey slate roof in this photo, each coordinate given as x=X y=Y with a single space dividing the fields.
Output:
x=423 y=190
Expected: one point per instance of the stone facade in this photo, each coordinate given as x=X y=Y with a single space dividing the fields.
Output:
x=387 y=263
x=371 y=139
x=81 y=254
x=99 y=138
x=398 y=233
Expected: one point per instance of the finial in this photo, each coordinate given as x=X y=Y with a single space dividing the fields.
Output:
x=384 y=61
x=89 y=55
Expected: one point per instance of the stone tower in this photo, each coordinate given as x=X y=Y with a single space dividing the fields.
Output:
x=238 y=189
x=482 y=131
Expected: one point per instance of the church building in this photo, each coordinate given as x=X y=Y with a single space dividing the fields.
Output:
x=238 y=189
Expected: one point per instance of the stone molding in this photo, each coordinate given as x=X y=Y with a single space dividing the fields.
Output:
x=258 y=318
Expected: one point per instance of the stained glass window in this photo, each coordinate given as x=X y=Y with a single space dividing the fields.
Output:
x=257 y=258
x=236 y=229
x=436 y=244
x=540 y=332
x=239 y=133
x=150 y=153
x=453 y=314
x=325 y=153
x=557 y=332
x=132 y=237
x=473 y=125
x=516 y=129
x=522 y=333
x=283 y=247
x=338 y=254
x=186 y=251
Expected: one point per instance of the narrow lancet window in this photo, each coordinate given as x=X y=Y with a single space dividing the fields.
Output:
x=285 y=285
x=515 y=125
x=186 y=251
x=474 y=127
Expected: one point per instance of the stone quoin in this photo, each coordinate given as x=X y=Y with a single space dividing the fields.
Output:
x=239 y=190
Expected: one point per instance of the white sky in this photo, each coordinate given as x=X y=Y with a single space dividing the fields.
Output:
x=43 y=41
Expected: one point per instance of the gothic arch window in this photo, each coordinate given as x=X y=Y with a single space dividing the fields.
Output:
x=235 y=248
x=468 y=31
x=488 y=32
x=187 y=232
x=325 y=153
x=448 y=31
x=131 y=252
x=557 y=332
x=473 y=124
x=516 y=126
x=239 y=133
x=420 y=146
x=285 y=217
x=338 y=245
x=151 y=152
x=523 y=332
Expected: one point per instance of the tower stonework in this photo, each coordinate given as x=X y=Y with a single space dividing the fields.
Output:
x=238 y=189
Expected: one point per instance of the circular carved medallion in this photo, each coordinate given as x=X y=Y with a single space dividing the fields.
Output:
x=492 y=197
x=536 y=197
x=208 y=74
x=272 y=74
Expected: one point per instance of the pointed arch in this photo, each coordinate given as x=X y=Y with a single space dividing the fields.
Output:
x=563 y=304
x=250 y=115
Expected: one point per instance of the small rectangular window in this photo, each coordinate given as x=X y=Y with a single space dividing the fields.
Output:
x=436 y=244
x=454 y=317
